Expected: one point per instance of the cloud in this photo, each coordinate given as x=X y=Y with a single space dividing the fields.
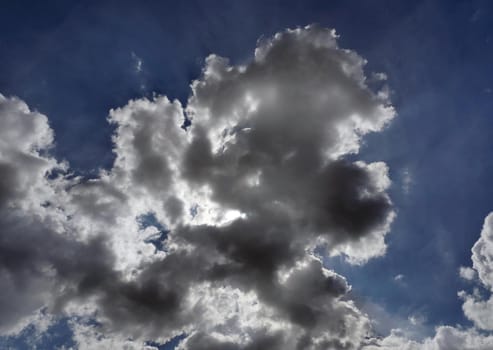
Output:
x=482 y=253
x=467 y=273
x=407 y=180
x=399 y=277
x=476 y=308
x=445 y=338
x=260 y=179
x=23 y=188
x=22 y=136
x=138 y=62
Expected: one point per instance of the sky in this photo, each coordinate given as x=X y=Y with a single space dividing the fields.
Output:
x=246 y=175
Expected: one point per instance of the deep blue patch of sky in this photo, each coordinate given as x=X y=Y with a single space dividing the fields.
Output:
x=58 y=335
x=158 y=239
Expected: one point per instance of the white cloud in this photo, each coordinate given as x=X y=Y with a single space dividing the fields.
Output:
x=476 y=307
x=88 y=337
x=482 y=253
x=467 y=273
x=398 y=277
x=446 y=338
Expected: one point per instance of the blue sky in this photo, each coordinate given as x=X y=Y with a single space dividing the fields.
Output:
x=75 y=61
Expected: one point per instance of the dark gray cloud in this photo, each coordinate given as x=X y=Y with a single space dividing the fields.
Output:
x=262 y=340
x=8 y=183
x=37 y=264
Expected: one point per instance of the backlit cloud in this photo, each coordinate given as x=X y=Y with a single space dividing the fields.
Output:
x=238 y=203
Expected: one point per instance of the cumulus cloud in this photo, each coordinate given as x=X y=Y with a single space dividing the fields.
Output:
x=482 y=253
x=445 y=338
x=467 y=273
x=477 y=307
x=87 y=337
x=238 y=203
x=24 y=188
